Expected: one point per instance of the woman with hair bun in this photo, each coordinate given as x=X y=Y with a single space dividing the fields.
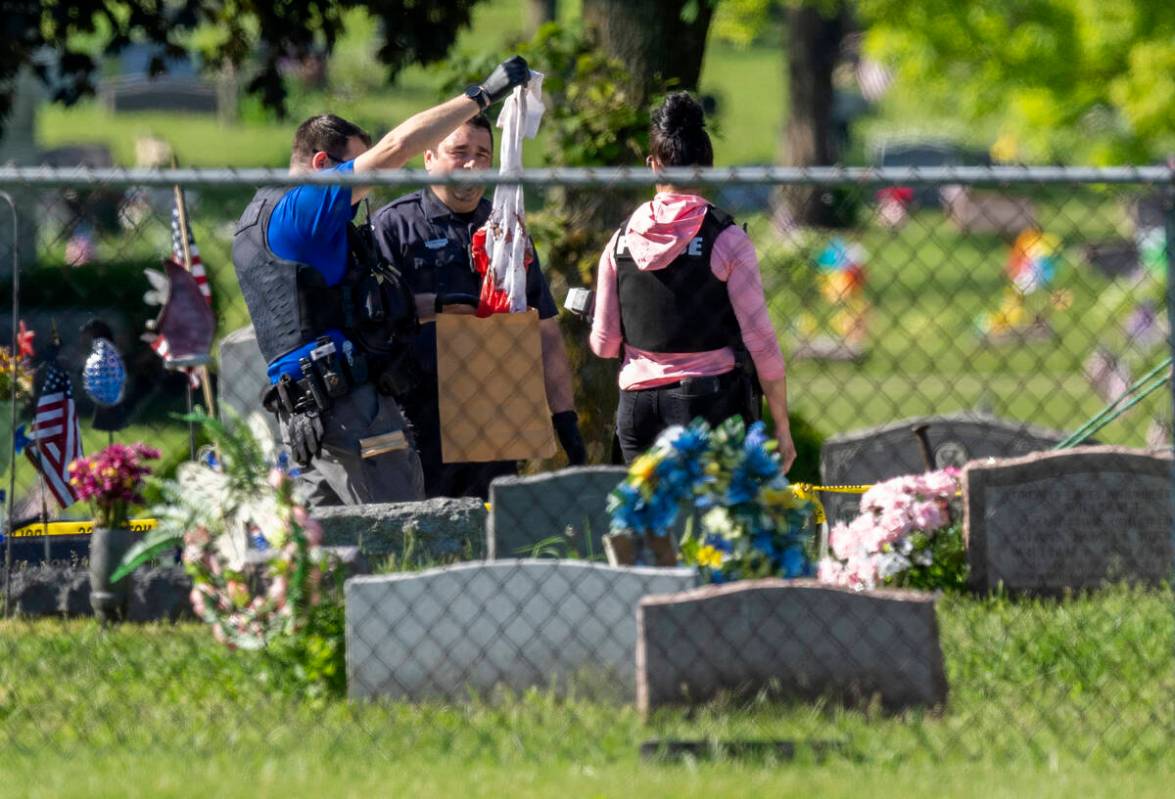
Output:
x=679 y=297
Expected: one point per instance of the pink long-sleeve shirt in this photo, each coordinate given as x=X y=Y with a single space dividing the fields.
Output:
x=656 y=234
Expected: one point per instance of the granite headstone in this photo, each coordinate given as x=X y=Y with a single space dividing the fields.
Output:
x=1069 y=520
x=568 y=503
x=793 y=638
x=879 y=453
x=439 y=529
x=242 y=377
x=467 y=629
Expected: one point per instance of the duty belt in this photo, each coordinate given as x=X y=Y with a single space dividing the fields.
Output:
x=701 y=386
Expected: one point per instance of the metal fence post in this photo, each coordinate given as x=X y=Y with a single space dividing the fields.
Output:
x=11 y=495
x=1169 y=238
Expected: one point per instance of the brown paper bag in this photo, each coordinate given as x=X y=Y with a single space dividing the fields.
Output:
x=493 y=401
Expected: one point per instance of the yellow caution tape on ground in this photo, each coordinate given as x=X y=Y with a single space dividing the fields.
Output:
x=79 y=527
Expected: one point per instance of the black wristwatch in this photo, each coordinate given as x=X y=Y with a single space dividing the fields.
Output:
x=479 y=96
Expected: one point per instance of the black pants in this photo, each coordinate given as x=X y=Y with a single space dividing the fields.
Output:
x=643 y=414
x=441 y=479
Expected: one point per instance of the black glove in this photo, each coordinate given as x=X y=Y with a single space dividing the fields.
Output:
x=514 y=71
x=306 y=434
x=567 y=428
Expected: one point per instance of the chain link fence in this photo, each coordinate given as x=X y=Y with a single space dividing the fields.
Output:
x=992 y=323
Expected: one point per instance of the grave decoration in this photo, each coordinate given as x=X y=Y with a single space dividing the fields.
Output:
x=840 y=268
x=1031 y=270
x=104 y=377
x=749 y=521
x=16 y=385
x=220 y=511
x=111 y=481
x=907 y=535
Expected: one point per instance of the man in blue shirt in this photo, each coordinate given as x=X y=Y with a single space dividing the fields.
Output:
x=426 y=235
x=329 y=318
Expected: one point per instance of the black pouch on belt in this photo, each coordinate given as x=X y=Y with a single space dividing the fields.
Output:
x=701 y=386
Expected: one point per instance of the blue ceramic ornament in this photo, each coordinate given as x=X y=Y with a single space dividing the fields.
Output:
x=104 y=375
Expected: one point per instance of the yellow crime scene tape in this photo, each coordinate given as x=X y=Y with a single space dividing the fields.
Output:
x=77 y=527
x=810 y=492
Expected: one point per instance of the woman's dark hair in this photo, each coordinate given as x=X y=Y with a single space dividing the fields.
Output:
x=677 y=133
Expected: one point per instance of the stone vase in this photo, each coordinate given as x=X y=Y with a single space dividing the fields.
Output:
x=623 y=549
x=108 y=599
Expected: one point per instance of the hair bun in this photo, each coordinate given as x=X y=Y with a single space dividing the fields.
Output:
x=681 y=112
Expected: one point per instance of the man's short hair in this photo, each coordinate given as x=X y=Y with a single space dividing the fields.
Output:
x=483 y=122
x=325 y=133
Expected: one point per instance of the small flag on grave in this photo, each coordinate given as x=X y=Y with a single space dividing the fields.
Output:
x=55 y=438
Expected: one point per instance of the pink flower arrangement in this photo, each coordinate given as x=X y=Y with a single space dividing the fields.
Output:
x=111 y=481
x=904 y=535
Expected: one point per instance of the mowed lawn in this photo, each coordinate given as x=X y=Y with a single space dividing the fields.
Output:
x=1047 y=698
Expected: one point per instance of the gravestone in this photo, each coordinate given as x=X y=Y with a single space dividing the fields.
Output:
x=178 y=88
x=1111 y=258
x=434 y=529
x=795 y=638
x=987 y=212
x=242 y=373
x=1074 y=519
x=62 y=588
x=879 y=453
x=928 y=153
x=569 y=503
x=471 y=628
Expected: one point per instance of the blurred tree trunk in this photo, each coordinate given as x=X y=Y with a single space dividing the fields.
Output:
x=653 y=40
x=811 y=39
x=539 y=13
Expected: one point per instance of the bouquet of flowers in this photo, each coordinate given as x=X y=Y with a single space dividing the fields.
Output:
x=751 y=522
x=111 y=481
x=16 y=367
x=906 y=536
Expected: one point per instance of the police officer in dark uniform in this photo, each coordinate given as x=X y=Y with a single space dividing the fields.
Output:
x=331 y=318
x=426 y=235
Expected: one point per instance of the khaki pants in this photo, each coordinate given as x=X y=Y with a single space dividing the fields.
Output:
x=340 y=475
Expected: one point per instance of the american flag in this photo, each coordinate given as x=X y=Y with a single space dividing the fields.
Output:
x=177 y=249
x=160 y=344
x=56 y=439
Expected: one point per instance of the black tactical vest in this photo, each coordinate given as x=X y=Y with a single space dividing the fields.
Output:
x=289 y=303
x=681 y=307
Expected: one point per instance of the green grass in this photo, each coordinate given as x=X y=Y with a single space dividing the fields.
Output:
x=1047 y=698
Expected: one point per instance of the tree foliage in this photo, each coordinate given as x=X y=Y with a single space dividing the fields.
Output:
x=56 y=38
x=1071 y=80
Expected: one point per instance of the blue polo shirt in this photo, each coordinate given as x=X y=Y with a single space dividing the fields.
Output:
x=309 y=226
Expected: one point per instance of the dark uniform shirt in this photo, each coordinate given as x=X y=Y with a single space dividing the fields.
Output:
x=429 y=244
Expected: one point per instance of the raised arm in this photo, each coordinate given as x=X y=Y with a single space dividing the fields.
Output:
x=426 y=129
